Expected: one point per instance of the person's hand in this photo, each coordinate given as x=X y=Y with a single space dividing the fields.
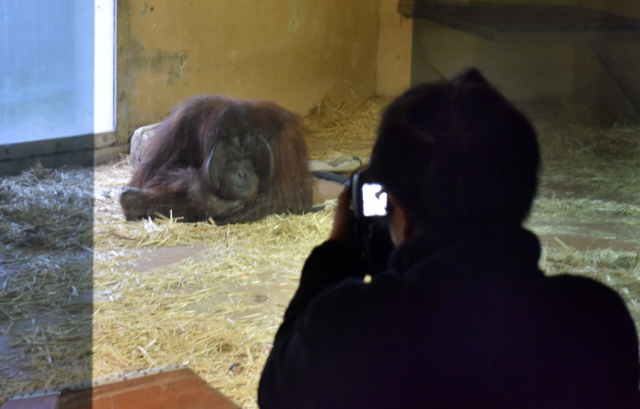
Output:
x=343 y=219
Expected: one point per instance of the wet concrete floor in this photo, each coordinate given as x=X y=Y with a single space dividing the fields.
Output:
x=264 y=288
x=617 y=237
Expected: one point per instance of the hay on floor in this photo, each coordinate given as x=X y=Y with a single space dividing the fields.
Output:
x=218 y=311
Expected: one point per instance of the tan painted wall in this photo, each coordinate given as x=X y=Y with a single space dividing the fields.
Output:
x=532 y=70
x=294 y=52
x=593 y=84
x=394 y=50
x=521 y=71
x=627 y=8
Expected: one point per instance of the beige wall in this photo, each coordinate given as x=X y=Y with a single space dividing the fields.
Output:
x=521 y=70
x=394 y=50
x=527 y=70
x=627 y=8
x=593 y=84
x=294 y=52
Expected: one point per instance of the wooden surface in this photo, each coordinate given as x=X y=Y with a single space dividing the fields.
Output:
x=178 y=389
x=518 y=22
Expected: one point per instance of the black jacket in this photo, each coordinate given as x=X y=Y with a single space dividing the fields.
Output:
x=462 y=318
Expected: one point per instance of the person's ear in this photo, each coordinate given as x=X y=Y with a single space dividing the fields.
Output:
x=402 y=224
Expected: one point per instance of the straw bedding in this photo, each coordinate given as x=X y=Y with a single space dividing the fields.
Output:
x=218 y=311
x=45 y=278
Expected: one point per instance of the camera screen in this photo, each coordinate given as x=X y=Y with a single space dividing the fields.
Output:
x=374 y=203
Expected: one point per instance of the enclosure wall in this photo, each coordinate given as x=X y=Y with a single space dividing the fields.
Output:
x=534 y=69
x=595 y=85
x=294 y=52
x=394 y=50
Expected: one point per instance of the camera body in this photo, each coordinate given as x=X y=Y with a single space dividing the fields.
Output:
x=370 y=207
x=368 y=199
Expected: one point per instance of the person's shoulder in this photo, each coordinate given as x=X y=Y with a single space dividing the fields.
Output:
x=585 y=285
x=588 y=293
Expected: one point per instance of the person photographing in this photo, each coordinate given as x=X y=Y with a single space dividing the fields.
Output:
x=459 y=315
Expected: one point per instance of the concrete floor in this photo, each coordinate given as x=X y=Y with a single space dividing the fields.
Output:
x=622 y=239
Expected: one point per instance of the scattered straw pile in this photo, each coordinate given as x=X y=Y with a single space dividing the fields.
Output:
x=202 y=312
x=592 y=151
x=550 y=208
x=218 y=311
x=618 y=270
x=594 y=156
x=45 y=278
x=337 y=127
x=205 y=311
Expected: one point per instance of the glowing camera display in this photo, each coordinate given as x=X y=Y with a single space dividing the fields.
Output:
x=374 y=201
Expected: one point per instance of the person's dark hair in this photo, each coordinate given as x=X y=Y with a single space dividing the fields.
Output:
x=455 y=152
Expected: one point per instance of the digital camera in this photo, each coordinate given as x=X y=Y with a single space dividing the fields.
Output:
x=370 y=206
x=368 y=199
